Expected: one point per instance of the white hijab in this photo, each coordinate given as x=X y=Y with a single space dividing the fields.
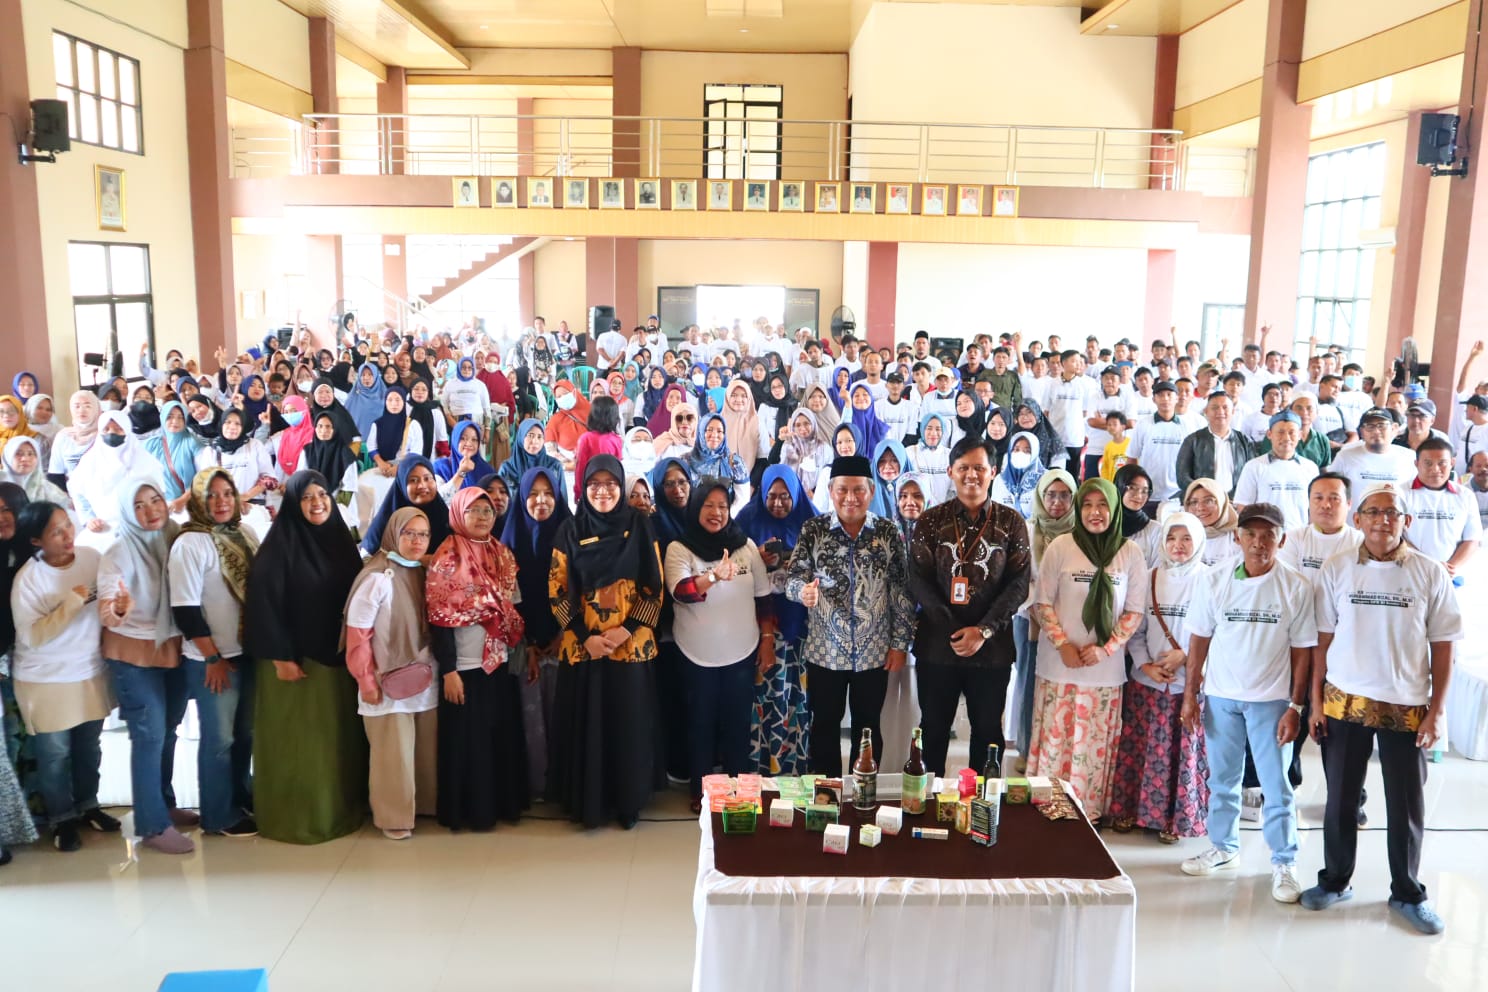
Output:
x=143 y=556
x=103 y=467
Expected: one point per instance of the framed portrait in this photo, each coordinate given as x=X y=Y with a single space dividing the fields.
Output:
x=896 y=198
x=576 y=194
x=826 y=198
x=1004 y=201
x=792 y=196
x=863 y=198
x=648 y=194
x=612 y=194
x=540 y=193
x=720 y=194
x=968 y=201
x=684 y=194
x=932 y=201
x=108 y=197
x=504 y=191
x=465 y=190
x=756 y=196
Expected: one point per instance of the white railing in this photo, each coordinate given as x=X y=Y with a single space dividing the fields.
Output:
x=433 y=144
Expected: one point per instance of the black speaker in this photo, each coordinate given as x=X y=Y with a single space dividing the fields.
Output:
x=1438 y=144
x=49 y=126
x=948 y=350
x=600 y=318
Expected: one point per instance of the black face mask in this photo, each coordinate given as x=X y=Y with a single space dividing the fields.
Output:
x=113 y=440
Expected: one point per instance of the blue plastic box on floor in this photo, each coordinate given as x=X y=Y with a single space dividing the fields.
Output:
x=247 y=980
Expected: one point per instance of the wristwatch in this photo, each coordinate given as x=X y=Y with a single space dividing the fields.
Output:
x=986 y=633
x=1295 y=708
x=212 y=659
x=712 y=577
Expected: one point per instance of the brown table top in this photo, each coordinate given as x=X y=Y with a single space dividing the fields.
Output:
x=1028 y=846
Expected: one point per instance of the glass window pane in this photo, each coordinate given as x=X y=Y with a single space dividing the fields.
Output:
x=1365 y=286
x=94 y=328
x=69 y=97
x=1332 y=213
x=128 y=81
x=1371 y=213
x=1358 y=171
x=1317 y=179
x=87 y=269
x=133 y=325
x=88 y=118
x=106 y=86
x=1377 y=170
x=62 y=58
x=1337 y=187
x=129 y=130
x=1312 y=227
x=1307 y=275
x=1360 y=339
x=109 y=117
x=1348 y=269
x=1327 y=272
x=1322 y=322
x=1352 y=222
x=85 y=68
x=129 y=267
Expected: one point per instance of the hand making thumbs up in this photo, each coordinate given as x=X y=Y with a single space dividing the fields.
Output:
x=122 y=601
x=726 y=569
x=811 y=593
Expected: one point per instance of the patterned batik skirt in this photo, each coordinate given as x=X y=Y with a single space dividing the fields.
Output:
x=1075 y=729
x=782 y=723
x=1162 y=772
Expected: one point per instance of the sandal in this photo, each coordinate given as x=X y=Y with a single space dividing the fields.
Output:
x=1124 y=824
x=1164 y=837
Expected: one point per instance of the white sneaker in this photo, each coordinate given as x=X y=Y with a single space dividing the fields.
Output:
x=1211 y=861
x=1250 y=804
x=1284 y=884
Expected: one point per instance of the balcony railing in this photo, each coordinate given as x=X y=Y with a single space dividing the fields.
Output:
x=677 y=147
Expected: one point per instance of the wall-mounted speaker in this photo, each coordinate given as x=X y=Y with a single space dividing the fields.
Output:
x=49 y=126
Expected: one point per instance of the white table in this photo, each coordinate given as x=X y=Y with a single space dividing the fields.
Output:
x=818 y=933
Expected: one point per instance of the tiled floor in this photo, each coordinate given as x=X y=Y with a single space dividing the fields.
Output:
x=546 y=906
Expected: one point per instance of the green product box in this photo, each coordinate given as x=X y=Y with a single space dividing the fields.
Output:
x=740 y=820
x=818 y=816
x=1019 y=791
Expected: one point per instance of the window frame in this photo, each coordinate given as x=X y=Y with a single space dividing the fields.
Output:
x=1322 y=254
x=720 y=142
x=113 y=301
x=74 y=122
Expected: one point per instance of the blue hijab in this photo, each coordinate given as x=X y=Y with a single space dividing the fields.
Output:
x=670 y=521
x=885 y=494
x=521 y=461
x=531 y=542
x=761 y=526
x=654 y=394
x=719 y=461
x=397 y=498
x=857 y=437
x=15 y=384
x=366 y=403
x=1022 y=482
x=460 y=369
x=446 y=467
x=871 y=429
x=175 y=451
x=390 y=428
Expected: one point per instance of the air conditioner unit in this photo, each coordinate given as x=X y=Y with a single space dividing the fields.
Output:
x=1379 y=237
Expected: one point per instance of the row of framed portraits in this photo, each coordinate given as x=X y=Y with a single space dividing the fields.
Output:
x=781 y=195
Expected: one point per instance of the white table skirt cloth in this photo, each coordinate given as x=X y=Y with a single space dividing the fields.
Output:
x=882 y=934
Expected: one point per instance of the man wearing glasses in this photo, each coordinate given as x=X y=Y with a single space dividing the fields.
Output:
x=1386 y=617
x=968 y=570
x=1375 y=460
x=1156 y=443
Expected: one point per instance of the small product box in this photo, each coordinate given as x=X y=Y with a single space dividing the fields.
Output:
x=1040 y=788
x=819 y=817
x=931 y=833
x=889 y=819
x=985 y=816
x=869 y=835
x=945 y=806
x=782 y=813
x=1018 y=792
x=835 y=838
x=963 y=817
x=739 y=818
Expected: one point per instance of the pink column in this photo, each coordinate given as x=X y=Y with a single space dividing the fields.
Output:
x=207 y=156
x=1462 y=303
x=625 y=101
x=1280 y=182
x=28 y=346
x=323 y=91
x=883 y=293
x=1157 y=320
x=392 y=132
x=394 y=275
x=323 y=286
x=1410 y=232
x=526 y=136
x=1163 y=171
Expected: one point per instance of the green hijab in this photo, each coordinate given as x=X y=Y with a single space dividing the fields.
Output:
x=1099 y=613
x=1046 y=527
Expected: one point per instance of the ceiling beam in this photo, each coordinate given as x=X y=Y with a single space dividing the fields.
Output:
x=354 y=54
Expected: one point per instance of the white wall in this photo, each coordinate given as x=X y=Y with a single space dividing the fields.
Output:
x=966 y=289
x=265 y=35
x=1225 y=51
x=1212 y=270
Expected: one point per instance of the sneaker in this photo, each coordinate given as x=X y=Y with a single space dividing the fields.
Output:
x=243 y=828
x=65 y=836
x=169 y=841
x=1284 y=884
x=1419 y=915
x=101 y=821
x=181 y=818
x=1210 y=861
x=397 y=834
x=1251 y=801
x=1361 y=818
x=1318 y=897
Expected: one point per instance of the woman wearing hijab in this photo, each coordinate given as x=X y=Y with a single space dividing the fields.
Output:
x=323 y=400
x=388 y=435
x=725 y=628
x=116 y=455
x=463 y=466
x=13 y=421
x=997 y=435
x=889 y=462
x=330 y=455
x=569 y=422
x=711 y=454
x=24 y=386
x=682 y=436
x=860 y=413
x=741 y=423
x=806 y=449
x=841 y=383
x=1134 y=486
x=1029 y=416
x=293 y=429
x=23 y=467
x=41 y=414
x=428 y=433
x=970 y=417
x=474 y=625
x=494 y=486
x=1162 y=773
x=365 y=404
x=415 y=485
x=167 y=438
x=388 y=653
x=606 y=589
x=203 y=417
x=1016 y=484
x=72 y=442
x=671 y=483
x=1085 y=623
x=498 y=387
x=531 y=525
x=1054 y=498
x=464 y=398
x=309 y=753
x=660 y=420
x=638 y=453
x=654 y=392
x=255 y=403
x=244 y=456
x=142 y=649
x=774 y=411
x=846 y=441
x=541 y=360
x=1208 y=501
x=16 y=826
x=529 y=451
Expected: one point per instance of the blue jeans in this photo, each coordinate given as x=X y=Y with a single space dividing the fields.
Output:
x=720 y=705
x=152 y=702
x=223 y=757
x=67 y=770
x=1228 y=724
x=1027 y=662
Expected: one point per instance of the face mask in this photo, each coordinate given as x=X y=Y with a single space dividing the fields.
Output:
x=1351 y=381
x=698 y=380
x=1021 y=459
x=567 y=401
x=492 y=366
x=112 y=405
x=293 y=417
x=406 y=563
x=306 y=386
x=113 y=440
x=276 y=397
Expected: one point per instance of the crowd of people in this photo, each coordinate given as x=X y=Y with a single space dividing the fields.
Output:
x=715 y=551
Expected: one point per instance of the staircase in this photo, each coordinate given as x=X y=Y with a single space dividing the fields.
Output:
x=478 y=266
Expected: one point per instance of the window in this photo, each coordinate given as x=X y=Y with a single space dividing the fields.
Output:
x=742 y=134
x=102 y=93
x=1222 y=322
x=112 y=310
x=1337 y=272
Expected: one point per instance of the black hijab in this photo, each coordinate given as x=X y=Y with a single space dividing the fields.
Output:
x=976 y=424
x=144 y=417
x=299 y=582
x=228 y=445
x=329 y=458
x=604 y=548
x=531 y=542
x=212 y=427
x=345 y=425
x=423 y=415
x=708 y=546
x=1000 y=446
x=783 y=407
x=13 y=554
x=1133 y=522
x=1048 y=441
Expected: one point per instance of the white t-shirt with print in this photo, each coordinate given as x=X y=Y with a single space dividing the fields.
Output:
x=1364 y=468
x=1252 y=623
x=1282 y=482
x=1307 y=548
x=722 y=629
x=1441 y=519
x=1068 y=402
x=1064 y=577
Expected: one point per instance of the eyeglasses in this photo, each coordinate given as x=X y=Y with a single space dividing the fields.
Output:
x=1053 y=497
x=672 y=485
x=1391 y=514
x=686 y=419
x=1201 y=502
x=602 y=487
x=784 y=498
x=481 y=510
x=416 y=535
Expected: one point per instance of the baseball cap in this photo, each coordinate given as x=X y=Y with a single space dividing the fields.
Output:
x=1415 y=391
x=922 y=334
x=1164 y=386
x=1285 y=416
x=615 y=324
x=894 y=377
x=1386 y=488
x=1477 y=402
x=1424 y=406
x=654 y=317
x=1110 y=370
x=1379 y=413
x=1264 y=512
